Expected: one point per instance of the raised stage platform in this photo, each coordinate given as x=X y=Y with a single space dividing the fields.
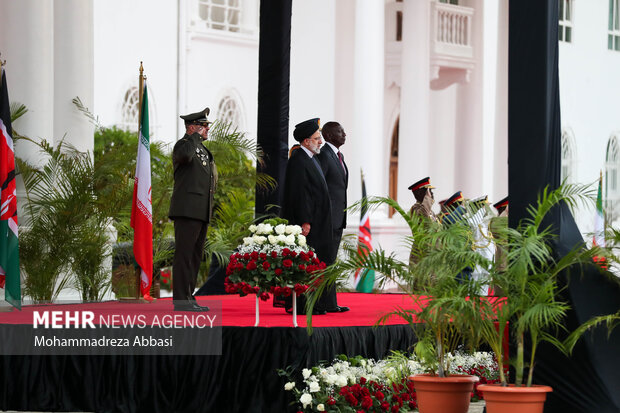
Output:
x=242 y=379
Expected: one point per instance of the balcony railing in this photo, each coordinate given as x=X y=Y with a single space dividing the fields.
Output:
x=451 y=37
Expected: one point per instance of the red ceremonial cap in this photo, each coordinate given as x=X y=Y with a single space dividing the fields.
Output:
x=458 y=196
x=422 y=183
x=501 y=204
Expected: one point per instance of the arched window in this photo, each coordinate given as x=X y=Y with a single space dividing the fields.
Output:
x=130 y=110
x=229 y=111
x=612 y=165
x=568 y=157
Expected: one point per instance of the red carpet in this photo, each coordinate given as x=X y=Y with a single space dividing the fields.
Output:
x=365 y=311
x=240 y=311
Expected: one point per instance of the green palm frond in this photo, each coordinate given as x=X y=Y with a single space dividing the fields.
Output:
x=86 y=112
x=222 y=134
x=17 y=110
x=611 y=321
x=229 y=226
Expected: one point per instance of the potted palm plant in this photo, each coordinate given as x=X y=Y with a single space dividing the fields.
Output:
x=532 y=309
x=445 y=311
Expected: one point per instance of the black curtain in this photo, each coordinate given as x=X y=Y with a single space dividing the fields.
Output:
x=589 y=380
x=274 y=54
x=242 y=379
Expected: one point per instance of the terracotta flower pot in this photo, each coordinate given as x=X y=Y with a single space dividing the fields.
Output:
x=513 y=399
x=443 y=394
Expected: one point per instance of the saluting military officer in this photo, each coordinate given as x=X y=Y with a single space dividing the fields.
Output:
x=423 y=193
x=191 y=206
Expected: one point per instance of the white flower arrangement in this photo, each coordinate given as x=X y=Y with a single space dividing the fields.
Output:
x=323 y=382
x=273 y=259
x=305 y=399
x=267 y=238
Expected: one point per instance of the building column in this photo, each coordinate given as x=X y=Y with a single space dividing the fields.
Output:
x=73 y=71
x=500 y=157
x=414 y=140
x=367 y=140
x=29 y=56
x=469 y=159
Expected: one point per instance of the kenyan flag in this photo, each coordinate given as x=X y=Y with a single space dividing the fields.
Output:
x=9 y=245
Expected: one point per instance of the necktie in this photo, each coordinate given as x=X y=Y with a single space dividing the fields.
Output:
x=341 y=159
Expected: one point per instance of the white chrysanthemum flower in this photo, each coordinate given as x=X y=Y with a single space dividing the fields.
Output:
x=320 y=407
x=248 y=241
x=289 y=386
x=305 y=399
x=280 y=229
x=301 y=240
x=252 y=228
x=314 y=387
x=259 y=239
x=306 y=373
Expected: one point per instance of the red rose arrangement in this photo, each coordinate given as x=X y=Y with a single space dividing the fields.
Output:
x=275 y=259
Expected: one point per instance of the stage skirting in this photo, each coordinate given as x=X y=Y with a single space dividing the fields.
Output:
x=242 y=379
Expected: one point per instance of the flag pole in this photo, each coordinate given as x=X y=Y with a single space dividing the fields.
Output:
x=2 y=63
x=603 y=203
x=140 y=91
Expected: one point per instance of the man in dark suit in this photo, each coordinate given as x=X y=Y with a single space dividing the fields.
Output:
x=191 y=206
x=306 y=198
x=337 y=178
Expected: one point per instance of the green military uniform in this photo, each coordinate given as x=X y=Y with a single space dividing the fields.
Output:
x=421 y=210
x=195 y=180
x=191 y=207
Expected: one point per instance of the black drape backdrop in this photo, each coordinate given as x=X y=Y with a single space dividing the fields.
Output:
x=242 y=379
x=588 y=381
x=274 y=53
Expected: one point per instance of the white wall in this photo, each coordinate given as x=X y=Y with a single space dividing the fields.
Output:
x=313 y=69
x=589 y=90
x=125 y=33
x=214 y=69
x=443 y=133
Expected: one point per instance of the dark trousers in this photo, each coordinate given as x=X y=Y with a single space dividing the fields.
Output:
x=189 y=238
x=328 y=299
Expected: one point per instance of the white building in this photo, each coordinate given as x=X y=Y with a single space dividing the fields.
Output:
x=589 y=87
x=420 y=86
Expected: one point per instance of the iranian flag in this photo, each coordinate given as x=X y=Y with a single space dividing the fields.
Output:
x=9 y=245
x=599 y=224
x=364 y=279
x=141 y=209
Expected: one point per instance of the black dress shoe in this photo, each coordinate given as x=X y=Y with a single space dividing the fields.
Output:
x=314 y=311
x=338 y=309
x=190 y=307
x=204 y=307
